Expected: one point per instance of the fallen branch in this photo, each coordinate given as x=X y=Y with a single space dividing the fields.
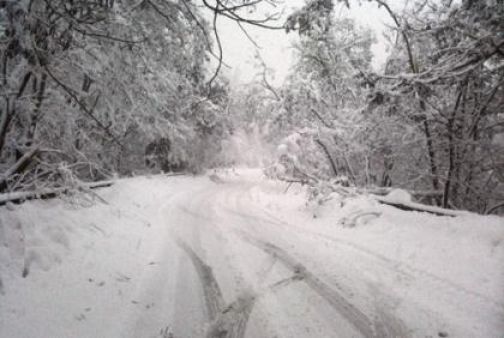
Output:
x=21 y=196
x=418 y=194
x=413 y=206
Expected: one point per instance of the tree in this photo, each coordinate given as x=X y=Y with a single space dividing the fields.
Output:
x=92 y=84
x=323 y=95
x=430 y=124
x=454 y=58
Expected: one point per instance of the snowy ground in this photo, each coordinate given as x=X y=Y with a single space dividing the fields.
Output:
x=235 y=255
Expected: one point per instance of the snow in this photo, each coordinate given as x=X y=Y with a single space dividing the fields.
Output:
x=84 y=263
x=282 y=149
x=399 y=196
x=149 y=261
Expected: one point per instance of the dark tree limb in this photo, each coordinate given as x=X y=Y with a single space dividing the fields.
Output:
x=24 y=83
x=18 y=167
x=329 y=157
x=5 y=119
x=219 y=46
x=37 y=111
x=451 y=147
x=324 y=122
x=494 y=208
x=83 y=107
x=230 y=13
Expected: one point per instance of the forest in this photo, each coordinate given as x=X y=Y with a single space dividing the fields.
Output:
x=151 y=188
x=96 y=89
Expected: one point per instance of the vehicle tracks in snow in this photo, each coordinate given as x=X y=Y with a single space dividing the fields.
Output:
x=418 y=289
x=370 y=316
x=226 y=321
x=229 y=321
x=337 y=301
x=446 y=288
x=213 y=296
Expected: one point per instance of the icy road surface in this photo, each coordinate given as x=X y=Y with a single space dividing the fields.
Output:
x=236 y=255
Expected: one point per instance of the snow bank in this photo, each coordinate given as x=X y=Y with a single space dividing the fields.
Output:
x=72 y=269
x=399 y=196
x=461 y=255
x=443 y=245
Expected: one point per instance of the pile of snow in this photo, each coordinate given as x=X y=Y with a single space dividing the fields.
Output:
x=399 y=196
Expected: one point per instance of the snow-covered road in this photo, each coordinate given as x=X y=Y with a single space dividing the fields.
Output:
x=236 y=256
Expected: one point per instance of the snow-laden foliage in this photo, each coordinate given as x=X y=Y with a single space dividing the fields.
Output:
x=444 y=79
x=431 y=123
x=105 y=87
x=318 y=113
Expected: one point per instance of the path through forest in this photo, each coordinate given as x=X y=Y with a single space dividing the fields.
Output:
x=237 y=256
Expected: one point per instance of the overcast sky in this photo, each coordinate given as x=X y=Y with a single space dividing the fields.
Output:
x=275 y=45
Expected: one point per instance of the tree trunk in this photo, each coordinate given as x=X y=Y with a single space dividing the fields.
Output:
x=451 y=149
x=37 y=111
x=329 y=157
x=5 y=119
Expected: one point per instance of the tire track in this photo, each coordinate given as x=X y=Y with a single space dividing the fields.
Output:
x=401 y=268
x=432 y=290
x=338 y=302
x=213 y=296
x=232 y=321
x=226 y=321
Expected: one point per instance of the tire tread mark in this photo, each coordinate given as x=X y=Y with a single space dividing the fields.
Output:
x=213 y=296
x=226 y=322
x=397 y=266
x=357 y=318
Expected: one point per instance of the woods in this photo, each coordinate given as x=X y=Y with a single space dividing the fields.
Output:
x=251 y=168
x=93 y=89
x=431 y=122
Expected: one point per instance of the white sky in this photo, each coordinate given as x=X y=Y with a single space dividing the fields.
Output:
x=275 y=45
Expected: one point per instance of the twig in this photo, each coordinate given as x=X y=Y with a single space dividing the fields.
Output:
x=18 y=166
